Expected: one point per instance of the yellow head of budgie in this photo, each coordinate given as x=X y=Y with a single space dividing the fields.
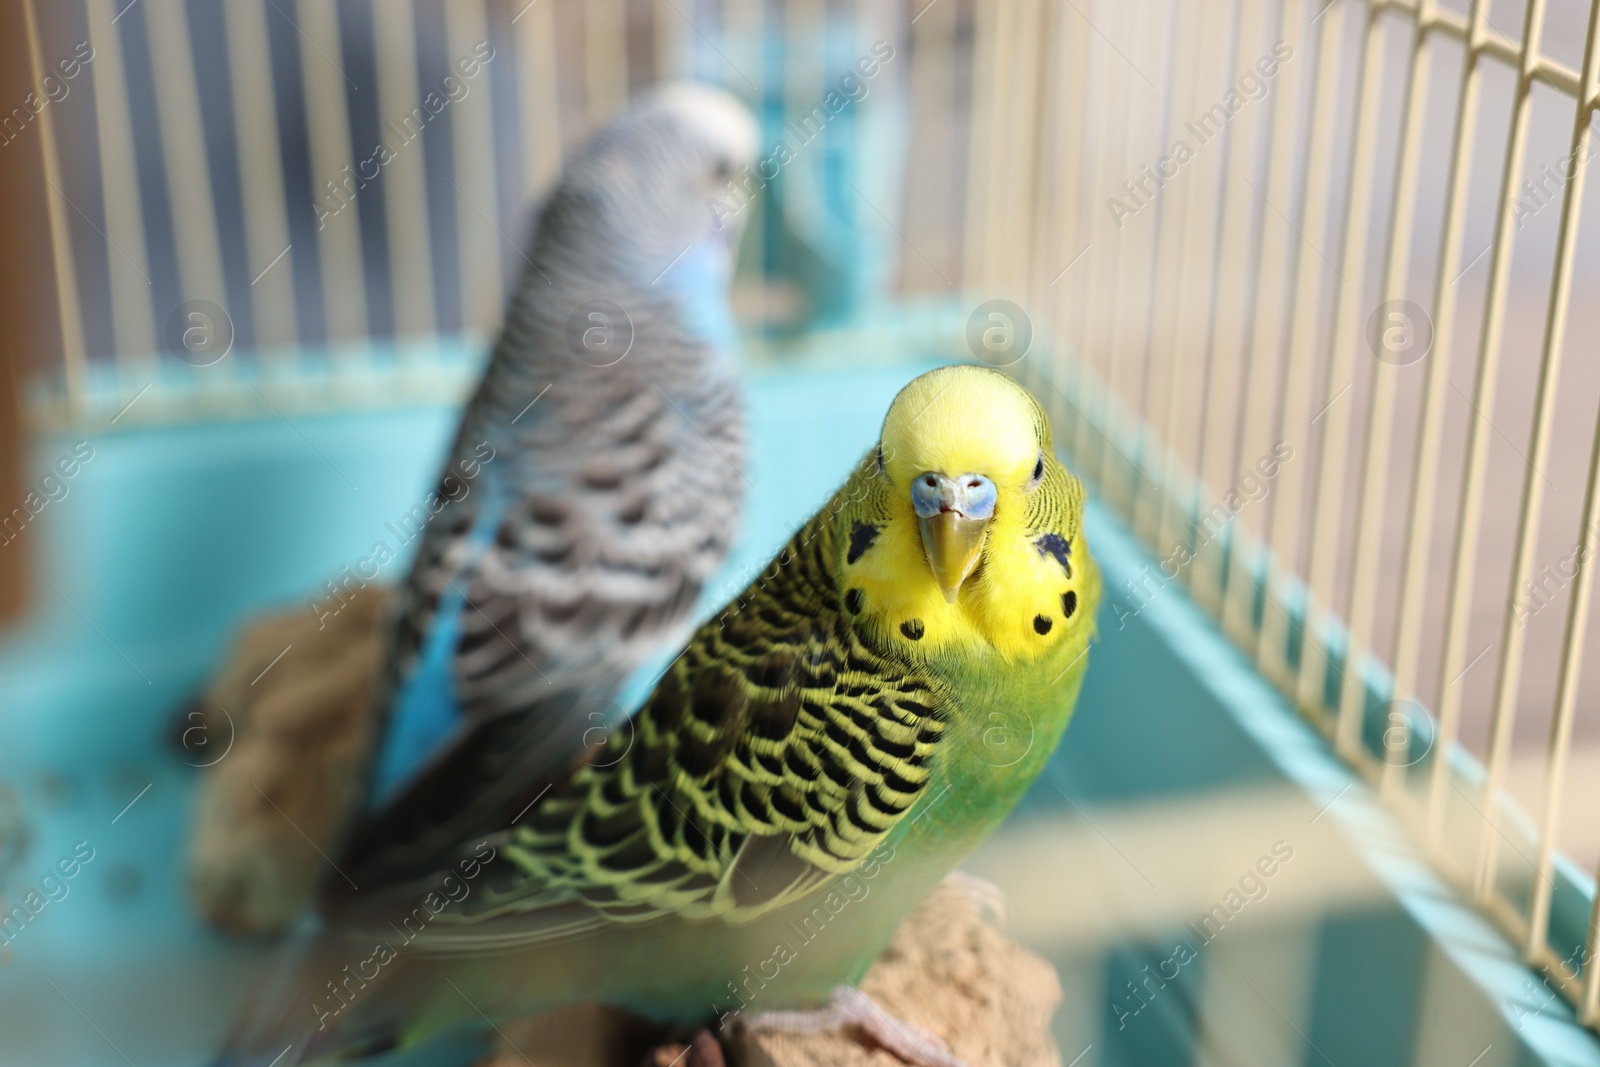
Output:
x=963 y=529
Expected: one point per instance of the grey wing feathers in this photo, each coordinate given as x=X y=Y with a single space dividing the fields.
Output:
x=597 y=556
x=611 y=510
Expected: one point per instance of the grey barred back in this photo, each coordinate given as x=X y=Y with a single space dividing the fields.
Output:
x=616 y=477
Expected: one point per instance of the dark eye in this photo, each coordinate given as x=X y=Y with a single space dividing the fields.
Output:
x=723 y=170
x=1038 y=472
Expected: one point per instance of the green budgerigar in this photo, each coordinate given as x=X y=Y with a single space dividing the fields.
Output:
x=826 y=749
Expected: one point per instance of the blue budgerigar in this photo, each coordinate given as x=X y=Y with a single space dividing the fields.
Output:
x=607 y=442
x=592 y=488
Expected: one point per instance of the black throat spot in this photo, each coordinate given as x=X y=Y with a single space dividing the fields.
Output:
x=1053 y=544
x=861 y=537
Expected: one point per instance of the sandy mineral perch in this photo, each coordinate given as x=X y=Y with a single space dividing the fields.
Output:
x=294 y=698
x=949 y=970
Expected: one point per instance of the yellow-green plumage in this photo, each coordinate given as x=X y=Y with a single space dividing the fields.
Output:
x=827 y=747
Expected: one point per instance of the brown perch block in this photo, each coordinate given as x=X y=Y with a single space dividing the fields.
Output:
x=949 y=970
x=295 y=698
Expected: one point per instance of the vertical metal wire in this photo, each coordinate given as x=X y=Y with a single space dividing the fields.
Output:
x=1225 y=275
x=605 y=66
x=987 y=19
x=1572 y=642
x=1148 y=512
x=1045 y=196
x=69 y=310
x=743 y=26
x=1092 y=399
x=411 y=281
x=668 y=40
x=128 y=262
x=1010 y=267
x=261 y=192
x=803 y=81
x=1327 y=521
x=194 y=215
x=1413 y=596
x=1470 y=514
x=1304 y=329
x=1078 y=297
x=1168 y=103
x=1185 y=371
x=1073 y=299
x=931 y=198
x=1577 y=622
x=1071 y=132
x=1231 y=281
x=1369 y=516
x=1120 y=353
x=1000 y=236
x=1514 y=637
x=1115 y=255
x=540 y=91
x=990 y=23
x=1017 y=261
x=1124 y=330
x=997 y=245
x=1095 y=171
x=1589 y=998
x=1269 y=326
x=344 y=289
x=483 y=244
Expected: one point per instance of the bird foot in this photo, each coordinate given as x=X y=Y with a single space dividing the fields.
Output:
x=849 y=1009
x=703 y=1050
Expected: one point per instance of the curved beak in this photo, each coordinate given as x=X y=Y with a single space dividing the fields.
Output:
x=953 y=515
x=953 y=543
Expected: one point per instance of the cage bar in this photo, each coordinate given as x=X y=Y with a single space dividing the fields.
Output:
x=539 y=85
x=1505 y=706
x=261 y=189
x=405 y=189
x=1326 y=517
x=128 y=262
x=1296 y=405
x=74 y=363
x=478 y=231
x=1380 y=426
x=1577 y=618
x=605 y=42
x=334 y=183
x=1269 y=324
x=1458 y=594
x=194 y=213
